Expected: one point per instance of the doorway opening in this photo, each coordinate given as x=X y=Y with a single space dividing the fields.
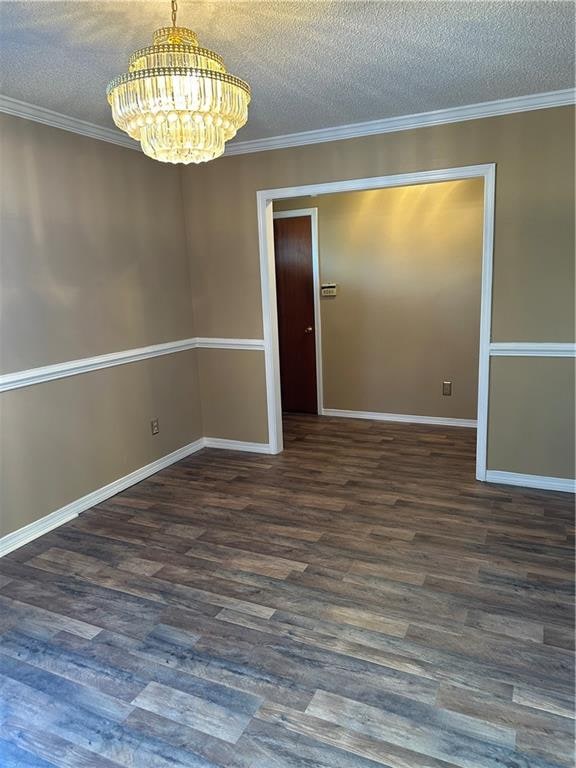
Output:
x=292 y=328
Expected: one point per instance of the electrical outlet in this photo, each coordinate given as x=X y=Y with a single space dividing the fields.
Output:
x=447 y=388
x=155 y=426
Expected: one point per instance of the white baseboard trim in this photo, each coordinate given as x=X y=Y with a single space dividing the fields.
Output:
x=532 y=481
x=28 y=533
x=237 y=445
x=402 y=417
x=32 y=531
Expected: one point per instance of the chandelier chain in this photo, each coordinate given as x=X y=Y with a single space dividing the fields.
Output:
x=174 y=5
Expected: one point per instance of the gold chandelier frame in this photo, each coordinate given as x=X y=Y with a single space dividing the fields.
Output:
x=177 y=99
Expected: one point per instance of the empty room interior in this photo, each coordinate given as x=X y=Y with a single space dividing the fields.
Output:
x=287 y=384
x=395 y=270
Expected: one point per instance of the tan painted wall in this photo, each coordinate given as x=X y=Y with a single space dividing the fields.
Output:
x=534 y=239
x=531 y=419
x=63 y=439
x=534 y=233
x=91 y=247
x=92 y=260
x=408 y=264
x=233 y=399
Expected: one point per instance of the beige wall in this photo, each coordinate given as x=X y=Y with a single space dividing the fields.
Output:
x=233 y=399
x=92 y=260
x=531 y=417
x=534 y=231
x=408 y=265
x=63 y=439
x=92 y=245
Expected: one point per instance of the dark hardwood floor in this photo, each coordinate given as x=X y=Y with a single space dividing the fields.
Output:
x=358 y=601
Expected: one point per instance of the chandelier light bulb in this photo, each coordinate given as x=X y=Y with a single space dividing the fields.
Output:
x=177 y=99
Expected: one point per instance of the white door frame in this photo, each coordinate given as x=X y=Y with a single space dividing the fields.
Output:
x=264 y=201
x=313 y=214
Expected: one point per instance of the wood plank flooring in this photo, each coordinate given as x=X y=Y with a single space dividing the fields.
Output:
x=358 y=601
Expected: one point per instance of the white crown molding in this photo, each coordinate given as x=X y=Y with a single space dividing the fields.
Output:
x=541 y=482
x=532 y=349
x=400 y=417
x=407 y=122
x=10 y=106
x=528 y=103
x=45 y=373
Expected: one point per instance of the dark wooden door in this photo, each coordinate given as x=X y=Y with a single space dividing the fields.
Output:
x=295 y=296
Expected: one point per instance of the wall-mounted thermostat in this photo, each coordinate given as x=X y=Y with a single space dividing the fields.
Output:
x=328 y=290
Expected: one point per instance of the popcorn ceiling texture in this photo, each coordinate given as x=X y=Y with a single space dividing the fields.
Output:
x=310 y=64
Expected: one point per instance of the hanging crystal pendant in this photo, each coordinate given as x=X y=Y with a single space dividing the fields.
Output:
x=177 y=99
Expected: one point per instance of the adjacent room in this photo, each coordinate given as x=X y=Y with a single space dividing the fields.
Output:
x=367 y=283
x=287 y=384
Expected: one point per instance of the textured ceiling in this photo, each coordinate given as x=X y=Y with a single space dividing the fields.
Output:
x=310 y=64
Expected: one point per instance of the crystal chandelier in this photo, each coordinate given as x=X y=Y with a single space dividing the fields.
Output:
x=177 y=99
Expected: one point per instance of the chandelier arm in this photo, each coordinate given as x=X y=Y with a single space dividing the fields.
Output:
x=174 y=6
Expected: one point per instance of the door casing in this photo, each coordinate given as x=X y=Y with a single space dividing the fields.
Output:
x=264 y=203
